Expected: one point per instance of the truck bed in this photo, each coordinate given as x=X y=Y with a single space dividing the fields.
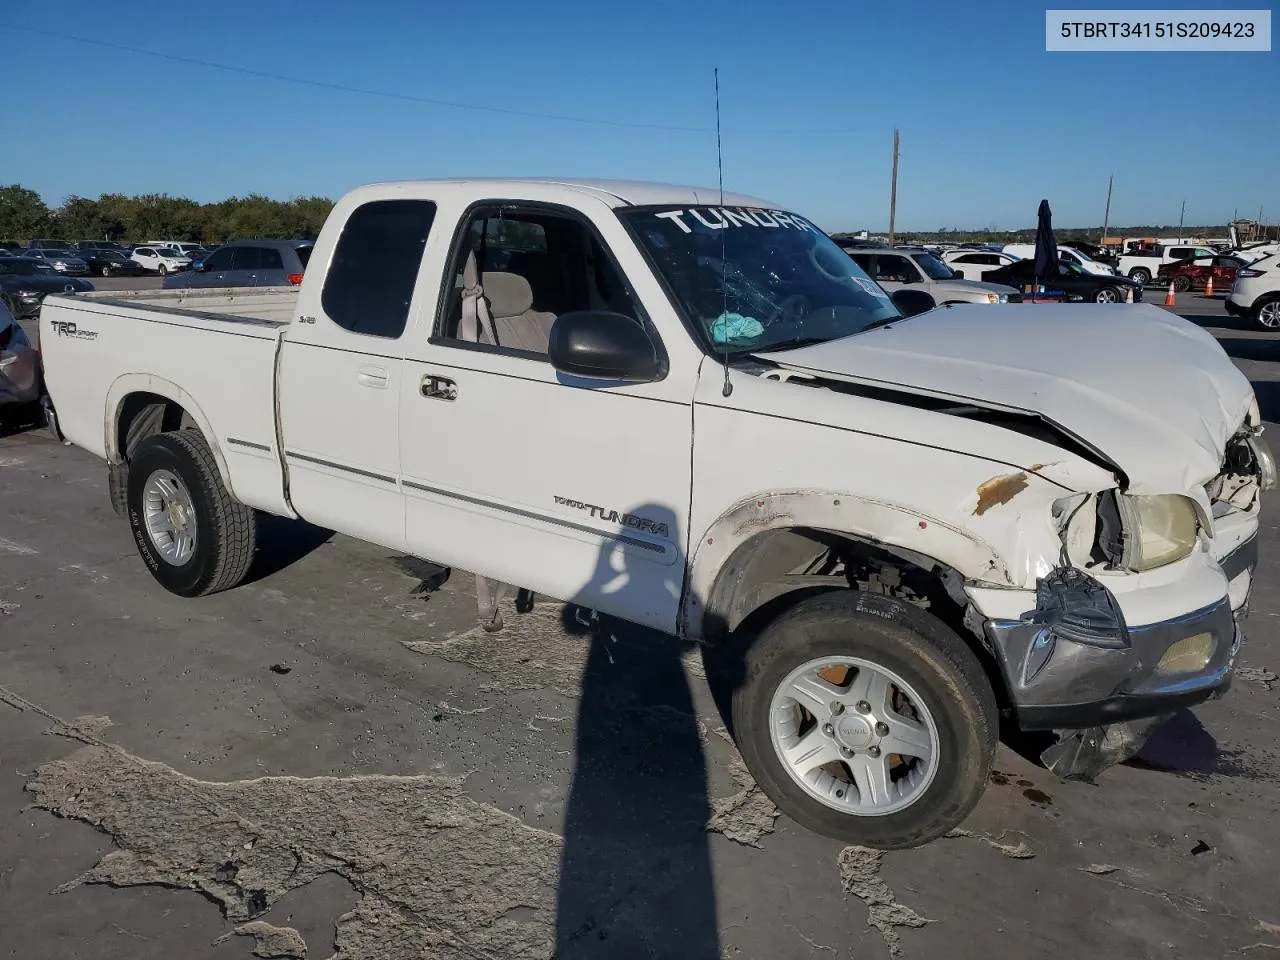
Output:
x=210 y=351
x=268 y=304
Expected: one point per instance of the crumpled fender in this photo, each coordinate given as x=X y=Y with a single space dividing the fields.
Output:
x=873 y=520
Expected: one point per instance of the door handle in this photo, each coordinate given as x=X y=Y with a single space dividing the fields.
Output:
x=368 y=375
x=438 y=388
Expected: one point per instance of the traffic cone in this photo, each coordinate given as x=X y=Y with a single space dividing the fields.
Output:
x=1169 y=299
x=1208 y=287
x=1128 y=295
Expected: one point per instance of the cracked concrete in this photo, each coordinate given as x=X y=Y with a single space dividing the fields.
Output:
x=271 y=943
x=860 y=877
x=439 y=875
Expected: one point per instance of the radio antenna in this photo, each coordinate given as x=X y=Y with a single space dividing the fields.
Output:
x=724 y=266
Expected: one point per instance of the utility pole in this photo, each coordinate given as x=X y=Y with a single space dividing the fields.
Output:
x=1106 y=216
x=893 y=188
x=1180 y=219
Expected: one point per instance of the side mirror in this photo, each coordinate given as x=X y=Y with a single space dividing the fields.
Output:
x=603 y=346
x=911 y=303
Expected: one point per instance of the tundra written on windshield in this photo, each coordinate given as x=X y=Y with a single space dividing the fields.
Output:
x=750 y=279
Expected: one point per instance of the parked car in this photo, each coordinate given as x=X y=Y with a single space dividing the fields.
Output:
x=88 y=246
x=161 y=260
x=1145 y=264
x=63 y=261
x=10 y=248
x=1071 y=285
x=1066 y=254
x=897 y=268
x=19 y=364
x=1094 y=252
x=26 y=281
x=1024 y=518
x=47 y=244
x=112 y=263
x=1256 y=292
x=249 y=263
x=184 y=247
x=971 y=263
x=1194 y=272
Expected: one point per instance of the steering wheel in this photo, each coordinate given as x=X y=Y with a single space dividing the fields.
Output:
x=817 y=265
x=791 y=310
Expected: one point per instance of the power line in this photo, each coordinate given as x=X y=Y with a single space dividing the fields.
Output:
x=405 y=97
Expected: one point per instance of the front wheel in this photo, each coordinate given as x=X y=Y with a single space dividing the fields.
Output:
x=866 y=720
x=1107 y=295
x=192 y=535
x=105 y=271
x=1141 y=275
x=1181 y=284
x=1267 y=314
x=162 y=270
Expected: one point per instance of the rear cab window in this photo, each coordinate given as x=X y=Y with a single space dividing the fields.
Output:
x=371 y=278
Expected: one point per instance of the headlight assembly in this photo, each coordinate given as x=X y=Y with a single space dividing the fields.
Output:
x=1145 y=532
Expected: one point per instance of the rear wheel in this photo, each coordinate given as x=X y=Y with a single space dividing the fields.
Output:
x=1266 y=313
x=1182 y=284
x=866 y=720
x=1140 y=274
x=193 y=536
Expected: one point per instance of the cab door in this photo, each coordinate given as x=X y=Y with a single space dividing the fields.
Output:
x=576 y=489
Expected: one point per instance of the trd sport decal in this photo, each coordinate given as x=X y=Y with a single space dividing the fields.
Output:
x=613 y=516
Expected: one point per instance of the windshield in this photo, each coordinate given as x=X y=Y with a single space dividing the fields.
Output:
x=934 y=268
x=1070 y=266
x=756 y=280
x=169 y=252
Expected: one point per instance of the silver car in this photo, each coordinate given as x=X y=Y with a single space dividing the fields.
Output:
x=64 y=261
x=918 y=269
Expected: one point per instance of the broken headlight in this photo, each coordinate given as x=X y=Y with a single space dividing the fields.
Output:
x=1144 y=532
x=1074 y=606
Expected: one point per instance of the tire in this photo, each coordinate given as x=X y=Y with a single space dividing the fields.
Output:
x=934 y=663
x=1181 y=284
x=1140 y=274
x=162 y=270
x=1266 y=313
x=224 y=529
x=1107 y=295
x=105 y=271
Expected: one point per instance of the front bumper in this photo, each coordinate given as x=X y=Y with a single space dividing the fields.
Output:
x=1056 y=683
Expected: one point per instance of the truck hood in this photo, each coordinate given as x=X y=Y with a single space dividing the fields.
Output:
x=1151 y=393
x=970 y=287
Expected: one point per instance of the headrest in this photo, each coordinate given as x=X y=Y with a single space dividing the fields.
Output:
x=509 y=294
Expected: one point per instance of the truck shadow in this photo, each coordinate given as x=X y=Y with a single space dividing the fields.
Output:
x=282 y=543
x=635 y=875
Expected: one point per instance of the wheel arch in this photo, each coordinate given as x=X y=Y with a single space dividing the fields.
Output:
x=746 y=557
x=133 y=394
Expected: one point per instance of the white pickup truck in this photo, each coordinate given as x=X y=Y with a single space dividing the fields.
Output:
x=1143 y=266
x=694 y=412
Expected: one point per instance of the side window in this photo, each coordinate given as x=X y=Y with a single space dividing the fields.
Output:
x=892 y=268
x=375 y=265
x=220 y=259
x=245 y=258
x=532 y=265
x=1180 y=253
x=269 y=259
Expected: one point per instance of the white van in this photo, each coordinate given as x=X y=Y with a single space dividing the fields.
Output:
x=1027 y=251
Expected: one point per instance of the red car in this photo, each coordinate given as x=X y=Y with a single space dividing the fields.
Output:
x=1194 y=272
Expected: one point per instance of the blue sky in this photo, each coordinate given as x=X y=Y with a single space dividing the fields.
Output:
x=810 y=93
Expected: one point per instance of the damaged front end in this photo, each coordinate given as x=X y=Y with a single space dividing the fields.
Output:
x=1077 y=666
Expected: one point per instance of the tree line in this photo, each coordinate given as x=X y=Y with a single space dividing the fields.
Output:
x=25 y=216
